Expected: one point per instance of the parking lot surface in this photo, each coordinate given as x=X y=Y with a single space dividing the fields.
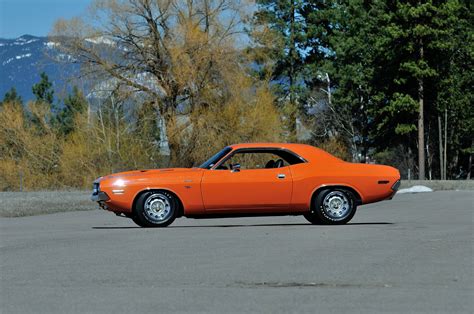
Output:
x=411 y=254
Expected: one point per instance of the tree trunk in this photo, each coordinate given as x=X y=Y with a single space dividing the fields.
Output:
x=441 y=156
x=421 y=128
x=329 y=91
x=410 y=163
x=172 y=129
x=291 y=52
x=429 y=157
x=469 y=166
x=421 y=137
x=445 y=160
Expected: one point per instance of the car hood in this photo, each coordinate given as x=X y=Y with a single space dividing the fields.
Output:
x=146 y=172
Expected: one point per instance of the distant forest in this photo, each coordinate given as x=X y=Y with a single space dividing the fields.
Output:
x=369 y=81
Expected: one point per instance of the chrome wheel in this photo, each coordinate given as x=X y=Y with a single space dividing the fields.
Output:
x=336 y=205
x=157 y=208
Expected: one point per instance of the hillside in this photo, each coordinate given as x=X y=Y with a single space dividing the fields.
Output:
x=24 y=58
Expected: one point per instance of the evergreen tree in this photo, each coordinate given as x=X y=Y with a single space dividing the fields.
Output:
x=284 y=20
x=12 y=96
x=74 y=104
x=412 y=33
x=395 y=66
x=344 y=45
x=454 y=98
x=43 y=90
x=423 y=44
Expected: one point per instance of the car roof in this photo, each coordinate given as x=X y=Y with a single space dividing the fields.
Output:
x=308 y=152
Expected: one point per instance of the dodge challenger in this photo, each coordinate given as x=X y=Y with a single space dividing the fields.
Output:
x=257 y=179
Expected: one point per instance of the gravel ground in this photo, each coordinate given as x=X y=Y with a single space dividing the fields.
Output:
x=19 y=204
x=441 y=185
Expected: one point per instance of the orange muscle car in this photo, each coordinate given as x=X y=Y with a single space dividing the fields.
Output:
x=255 y=179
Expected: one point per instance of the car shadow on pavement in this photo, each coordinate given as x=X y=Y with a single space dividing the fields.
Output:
x=369 y=223
x=255 y=225
x=282 y=225
x=136 y=227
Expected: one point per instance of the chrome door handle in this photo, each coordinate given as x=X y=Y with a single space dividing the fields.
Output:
x=281 y=176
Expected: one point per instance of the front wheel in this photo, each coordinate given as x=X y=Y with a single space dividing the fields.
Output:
x=332 y=207
x=155 y=209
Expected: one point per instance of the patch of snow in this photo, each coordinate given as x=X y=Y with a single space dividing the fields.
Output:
x=65 y=57
x=21 y=41
x=100 y=40
x=51 y=44
x=415 y=189
x=8 y=61
x=27 y=55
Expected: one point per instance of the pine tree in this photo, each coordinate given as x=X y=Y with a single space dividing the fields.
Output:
x=423 y=41
x=43 y=90
x=454 y=62
x=74 y=104
x=12 y=96
x=343 y=56
x=395 y=66
x=284 y=20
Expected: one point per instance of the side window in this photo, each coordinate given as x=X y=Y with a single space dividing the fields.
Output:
x=256 y=160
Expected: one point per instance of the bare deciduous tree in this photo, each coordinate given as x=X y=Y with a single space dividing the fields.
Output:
x=175 y=52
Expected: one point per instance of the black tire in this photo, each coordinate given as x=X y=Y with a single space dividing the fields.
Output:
x=155 y=209
x=136 y=220
x=323 y=212
x=312 y=218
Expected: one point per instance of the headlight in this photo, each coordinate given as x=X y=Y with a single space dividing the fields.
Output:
x=95 y=188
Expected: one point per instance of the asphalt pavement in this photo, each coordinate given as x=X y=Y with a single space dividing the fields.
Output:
x=413 y=254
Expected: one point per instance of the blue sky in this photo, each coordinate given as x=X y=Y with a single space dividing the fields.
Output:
x=35 y=17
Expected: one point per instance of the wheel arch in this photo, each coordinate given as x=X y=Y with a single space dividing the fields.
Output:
x=180 y=203
x=321 y=188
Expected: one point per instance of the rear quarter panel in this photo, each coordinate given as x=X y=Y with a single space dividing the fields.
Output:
x=363 y=178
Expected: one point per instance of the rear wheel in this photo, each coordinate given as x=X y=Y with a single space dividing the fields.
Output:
x=332 y=207
x=155 y=209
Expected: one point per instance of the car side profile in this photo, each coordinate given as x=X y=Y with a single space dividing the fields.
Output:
x=256 y=179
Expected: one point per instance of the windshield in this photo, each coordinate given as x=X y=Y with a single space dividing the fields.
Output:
x=212 y=161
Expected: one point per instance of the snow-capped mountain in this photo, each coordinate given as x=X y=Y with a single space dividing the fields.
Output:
x=24 y=58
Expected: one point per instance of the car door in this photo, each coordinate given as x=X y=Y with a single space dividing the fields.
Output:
x=247 y=190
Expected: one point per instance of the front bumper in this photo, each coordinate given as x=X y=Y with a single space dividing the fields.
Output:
x=394 y=189
x=396 y=185
x=100 y=197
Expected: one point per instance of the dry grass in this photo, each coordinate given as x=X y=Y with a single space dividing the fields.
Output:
x=19 y=204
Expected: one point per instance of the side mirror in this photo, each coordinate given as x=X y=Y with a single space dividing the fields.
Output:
x=235 y=167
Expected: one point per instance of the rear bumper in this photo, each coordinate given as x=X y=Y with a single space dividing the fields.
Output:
x=100 y=197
